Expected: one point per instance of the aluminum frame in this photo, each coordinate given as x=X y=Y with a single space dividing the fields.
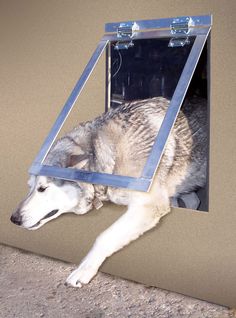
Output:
x=201 y=29
x=197 y=21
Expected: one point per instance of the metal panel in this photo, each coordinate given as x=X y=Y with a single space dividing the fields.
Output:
x=108 y=77
x=205 y=20
x=139 y=184
x=155 y=34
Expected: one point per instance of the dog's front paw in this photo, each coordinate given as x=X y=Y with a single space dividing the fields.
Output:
x=82 y=275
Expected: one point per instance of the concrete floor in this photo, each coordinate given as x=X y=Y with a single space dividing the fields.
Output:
x=33 y=286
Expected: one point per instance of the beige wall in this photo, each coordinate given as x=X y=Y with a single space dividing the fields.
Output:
x=44 y=48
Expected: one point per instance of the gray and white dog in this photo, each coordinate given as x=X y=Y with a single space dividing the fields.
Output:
x=119 y=142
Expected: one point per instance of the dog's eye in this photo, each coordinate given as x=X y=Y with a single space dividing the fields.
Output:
x=41 y=189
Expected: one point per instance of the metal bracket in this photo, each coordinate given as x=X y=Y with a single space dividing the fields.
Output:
x=180 y=27
x=123 y=45
x=179 y=42
x=126 y=31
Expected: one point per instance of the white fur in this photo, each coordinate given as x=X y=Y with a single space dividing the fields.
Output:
x=38 y=204
x=140 y=217
x=142 y=214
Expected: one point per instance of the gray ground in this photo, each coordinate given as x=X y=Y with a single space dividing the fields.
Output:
x=33 y=286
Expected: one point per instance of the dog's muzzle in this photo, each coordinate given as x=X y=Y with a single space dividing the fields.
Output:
x=50 y=214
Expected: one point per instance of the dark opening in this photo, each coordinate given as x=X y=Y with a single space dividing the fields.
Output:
x=149 y=69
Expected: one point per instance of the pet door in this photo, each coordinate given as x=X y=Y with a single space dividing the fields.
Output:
x=144 y=59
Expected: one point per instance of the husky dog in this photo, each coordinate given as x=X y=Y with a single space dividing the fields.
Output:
x=119 y=142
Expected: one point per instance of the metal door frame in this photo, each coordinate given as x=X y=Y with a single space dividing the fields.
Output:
x=145 y=29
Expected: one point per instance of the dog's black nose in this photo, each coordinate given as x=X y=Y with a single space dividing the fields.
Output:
x=16 y=218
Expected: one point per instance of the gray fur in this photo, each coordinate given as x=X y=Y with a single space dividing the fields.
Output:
x=120 y=141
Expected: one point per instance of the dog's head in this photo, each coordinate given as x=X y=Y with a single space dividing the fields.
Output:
x=49 y=197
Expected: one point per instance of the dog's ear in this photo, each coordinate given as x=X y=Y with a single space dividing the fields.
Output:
x=78 y=161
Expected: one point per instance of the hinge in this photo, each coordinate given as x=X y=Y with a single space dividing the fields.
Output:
x=126 y=31
x=180 y=27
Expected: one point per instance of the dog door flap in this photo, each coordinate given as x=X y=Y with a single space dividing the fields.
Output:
x=149 y=64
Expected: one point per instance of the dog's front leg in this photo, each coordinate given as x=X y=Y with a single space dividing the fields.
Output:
x=136 y=221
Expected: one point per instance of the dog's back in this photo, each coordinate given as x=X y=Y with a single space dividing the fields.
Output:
x=128 y=133
x=120 y=141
